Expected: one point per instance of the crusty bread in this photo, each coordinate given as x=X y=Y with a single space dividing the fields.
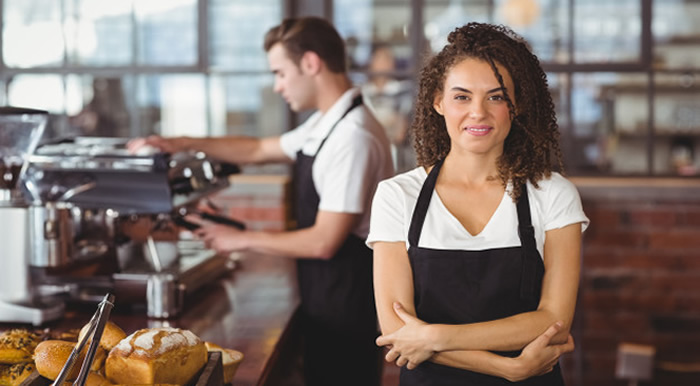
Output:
x=230 y=358
x=51 y=355
x=17 y=346
x=15 y=374
x=157 y=355
x=111 y=335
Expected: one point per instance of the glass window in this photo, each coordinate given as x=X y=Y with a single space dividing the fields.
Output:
x=366 y=24
x=167 y=32
x=543 y=23
x=676 y=34
x=677 y=124
x=237 y=30
x=601 y=35
x=609 y=123
x=441 y=17
x=22 y=91
x=32 y=33
x=99 y=33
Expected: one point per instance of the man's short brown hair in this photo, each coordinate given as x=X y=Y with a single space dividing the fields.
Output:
x=300 y=35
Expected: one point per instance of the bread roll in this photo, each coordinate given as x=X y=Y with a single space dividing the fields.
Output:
x=230 y=358
x=15 y=374
x=111 y=335
x=157 y=355
x=51 y=355
x=17 y=346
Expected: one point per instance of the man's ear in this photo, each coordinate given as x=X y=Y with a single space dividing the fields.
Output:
x=311 y=63
x=437 y=104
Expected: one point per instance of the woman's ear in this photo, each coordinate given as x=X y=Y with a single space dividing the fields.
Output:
x=437 y=104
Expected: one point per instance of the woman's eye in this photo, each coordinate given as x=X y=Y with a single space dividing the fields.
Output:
x=497 y=98
x=461 y=97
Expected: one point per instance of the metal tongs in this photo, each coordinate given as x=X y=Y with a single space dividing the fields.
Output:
x=97 y=327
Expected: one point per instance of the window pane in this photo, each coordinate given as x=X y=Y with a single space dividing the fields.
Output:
x=609 y=123
x=167 y=32
x=677 y=124
x=366 y=24
x=97 y=106
x=236 y=31
x=676 y=34
x=602 y=35
x=247 y=105
x=32 y=33
x=543 y=23
x=99 y=33
x=441 y=17
x=172 y=105
x=23 y=91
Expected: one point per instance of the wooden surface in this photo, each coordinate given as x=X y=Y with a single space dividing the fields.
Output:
x=251 y=310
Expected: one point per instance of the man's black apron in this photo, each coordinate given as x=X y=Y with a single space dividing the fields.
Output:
x=337 y=300
x=459 y=287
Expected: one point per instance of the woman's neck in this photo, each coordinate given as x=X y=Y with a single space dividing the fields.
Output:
x=471 y=169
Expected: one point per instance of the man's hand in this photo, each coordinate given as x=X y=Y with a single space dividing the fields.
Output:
x=539 y=356
x=221 y=238
x=166 y=145
x=408 y=345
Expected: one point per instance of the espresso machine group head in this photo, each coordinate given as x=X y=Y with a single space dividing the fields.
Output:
x=20 y=132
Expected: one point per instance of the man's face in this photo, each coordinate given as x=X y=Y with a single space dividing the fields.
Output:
x=292 y=82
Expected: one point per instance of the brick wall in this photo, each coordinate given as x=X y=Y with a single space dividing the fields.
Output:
x=640 y=282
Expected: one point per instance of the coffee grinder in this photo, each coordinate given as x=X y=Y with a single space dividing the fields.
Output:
x=20 y=132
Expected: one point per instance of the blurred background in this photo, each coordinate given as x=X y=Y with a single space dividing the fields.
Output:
x=624 y=74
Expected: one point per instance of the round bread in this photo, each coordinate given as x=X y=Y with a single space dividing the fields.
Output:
x=111 y=335
x=230 y=358
x=51 y=355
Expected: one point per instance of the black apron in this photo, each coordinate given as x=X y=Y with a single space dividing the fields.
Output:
x=337 y=300
x=460 y=287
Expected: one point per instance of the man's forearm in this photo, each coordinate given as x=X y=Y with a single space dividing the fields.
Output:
x=237 y=149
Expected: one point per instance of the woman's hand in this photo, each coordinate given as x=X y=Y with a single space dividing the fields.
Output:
x=408 y=345
x=221 y=238
x=539 y=356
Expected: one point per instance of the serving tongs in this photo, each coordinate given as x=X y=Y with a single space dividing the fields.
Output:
x=94 y=332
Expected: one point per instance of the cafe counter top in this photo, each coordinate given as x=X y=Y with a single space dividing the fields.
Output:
x=252 y=309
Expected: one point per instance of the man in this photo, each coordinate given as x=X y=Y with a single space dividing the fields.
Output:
x=340 y=154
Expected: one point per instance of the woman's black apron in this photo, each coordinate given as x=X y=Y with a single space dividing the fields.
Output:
x=460 y=287
x=337 y=300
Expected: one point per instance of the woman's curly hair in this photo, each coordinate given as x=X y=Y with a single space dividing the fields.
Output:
x=533 y=140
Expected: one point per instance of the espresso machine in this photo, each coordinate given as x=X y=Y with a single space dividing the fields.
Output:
x=20 y=132
x=82 y=217
x=106 y=220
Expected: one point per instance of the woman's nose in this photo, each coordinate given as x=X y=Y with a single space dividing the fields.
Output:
x=477 y=109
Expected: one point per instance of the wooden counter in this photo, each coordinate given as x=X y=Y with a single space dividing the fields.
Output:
x=251 y=310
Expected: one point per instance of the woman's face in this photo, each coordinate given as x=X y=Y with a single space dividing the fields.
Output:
x=474 y=107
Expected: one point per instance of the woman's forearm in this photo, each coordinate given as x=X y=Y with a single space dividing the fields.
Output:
x=507 y=334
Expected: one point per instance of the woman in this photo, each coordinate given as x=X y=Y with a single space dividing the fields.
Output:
x=477 y=251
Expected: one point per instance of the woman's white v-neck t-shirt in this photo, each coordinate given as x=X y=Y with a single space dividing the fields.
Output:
x=554 y=204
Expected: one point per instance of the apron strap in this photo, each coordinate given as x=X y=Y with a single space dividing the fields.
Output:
x=421 y=208
x=357 y=101
x=526 y=231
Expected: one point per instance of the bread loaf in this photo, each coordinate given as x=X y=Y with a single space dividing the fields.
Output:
x=230 y=358
x=111 y=335
x=51 y=355
x=157 y=355
x=17 y=346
